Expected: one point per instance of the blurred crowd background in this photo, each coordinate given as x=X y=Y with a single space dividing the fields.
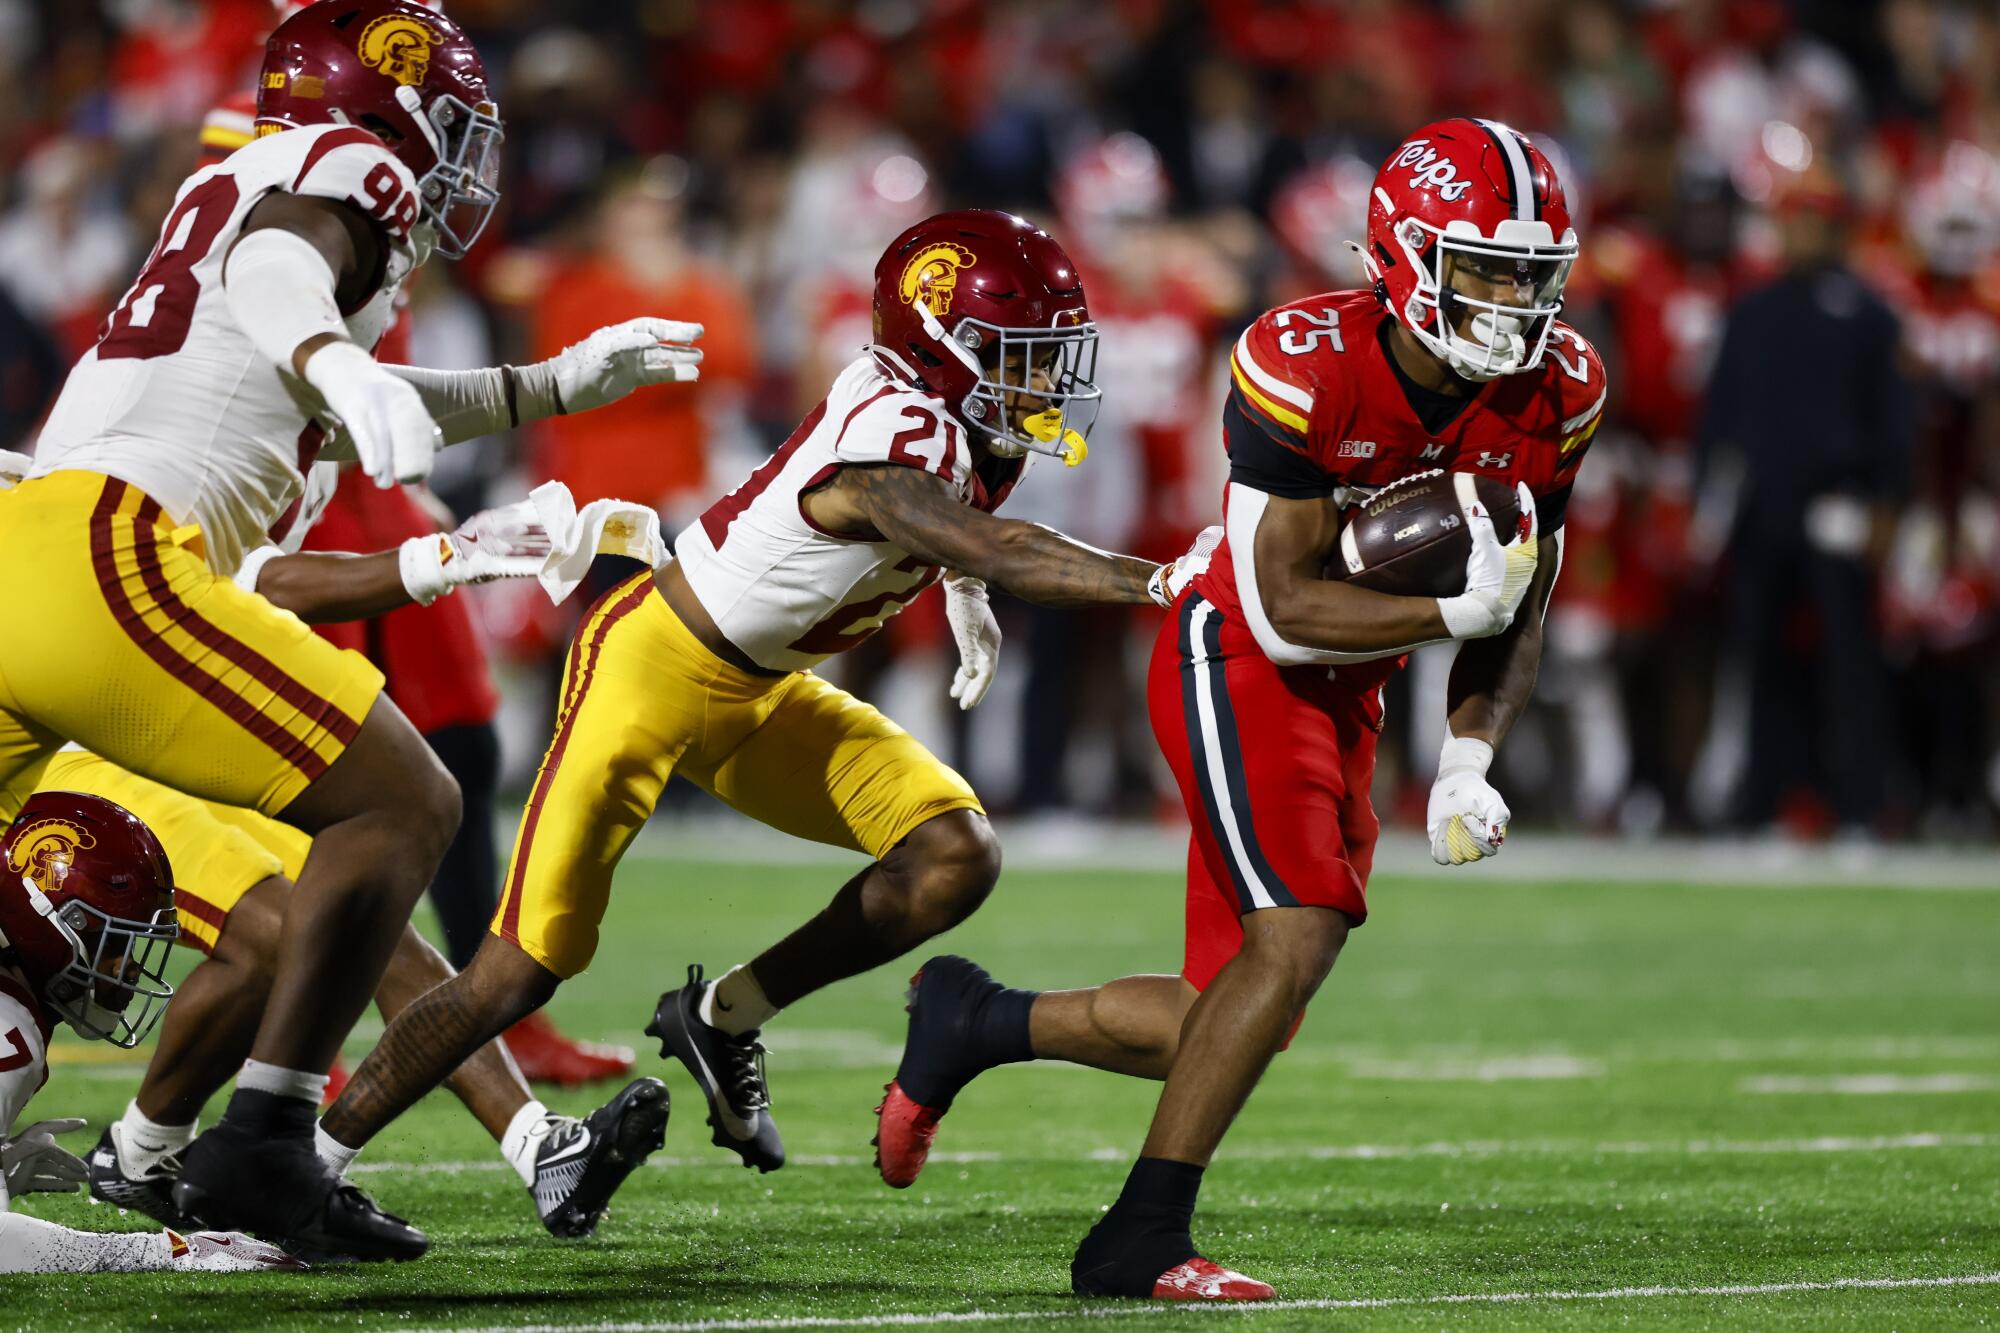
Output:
x=1778 y=605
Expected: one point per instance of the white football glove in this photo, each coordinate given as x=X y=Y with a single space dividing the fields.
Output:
x=1496 y=576
x=1467 y=819
x=224 y=1252
x=33 y=1163
x=978 y=636
x=394 y=436
x=615 y=360
x=1170 y=579
x=505 y=543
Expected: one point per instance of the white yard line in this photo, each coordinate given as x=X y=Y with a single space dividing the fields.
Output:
x=1342 y=1152
x=1166 y=1310
x=1868 y=1085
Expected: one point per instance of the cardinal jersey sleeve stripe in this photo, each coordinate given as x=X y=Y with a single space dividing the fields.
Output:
x=329 y=141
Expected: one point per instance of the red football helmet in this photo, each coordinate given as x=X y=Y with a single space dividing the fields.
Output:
x=409 y=74
x=1317 y=212
x=87 y=913
x=1472 y=201
x=984 y=310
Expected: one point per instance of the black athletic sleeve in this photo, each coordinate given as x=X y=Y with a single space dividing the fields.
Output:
x=1260 y=459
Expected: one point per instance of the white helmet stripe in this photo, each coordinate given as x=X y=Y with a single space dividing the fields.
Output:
x=1517 y=168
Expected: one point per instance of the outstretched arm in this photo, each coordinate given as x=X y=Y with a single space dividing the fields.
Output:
x=324 y=587
x=920 y=513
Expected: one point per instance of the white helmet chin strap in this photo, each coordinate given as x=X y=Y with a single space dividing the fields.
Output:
x=937 y=333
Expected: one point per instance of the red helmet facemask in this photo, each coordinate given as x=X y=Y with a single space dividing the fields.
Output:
x=87 y=914
x=985 y=310
x=412 y=76
x=1467 y=203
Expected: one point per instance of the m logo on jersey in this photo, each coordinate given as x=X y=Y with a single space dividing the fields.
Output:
x=1430 y=171
x=931 y=276
x=45 y=850
x=1433 y=451
x=398 y=46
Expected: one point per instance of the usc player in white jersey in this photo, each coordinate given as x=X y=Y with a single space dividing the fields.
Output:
x=86 y=924
x=180 y=442
x=983 y=353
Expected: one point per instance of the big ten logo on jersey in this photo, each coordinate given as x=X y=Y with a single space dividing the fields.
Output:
x=1429 y=170
x=1305 y=329
x=388 y=202
x=1355 y=449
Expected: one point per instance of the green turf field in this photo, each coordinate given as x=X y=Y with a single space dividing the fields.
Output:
x=1512 y=1105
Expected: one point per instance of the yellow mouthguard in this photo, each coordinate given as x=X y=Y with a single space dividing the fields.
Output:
x=1048 y=426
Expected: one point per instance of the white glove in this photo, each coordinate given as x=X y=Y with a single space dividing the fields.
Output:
x=1467 y=819
x=33 y=1163
x=615 y=360
x=1170 y=579
x=1496 y=576
x=224 y=1252
x=394 y=436
x=978 y=635
x=504 y=543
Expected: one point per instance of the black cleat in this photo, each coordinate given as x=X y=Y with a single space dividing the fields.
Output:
x=581 y=1163
x=729 y=1070
x=150 y=1191
x=278 y=1189
x=940 y=1056
x=942 y=1051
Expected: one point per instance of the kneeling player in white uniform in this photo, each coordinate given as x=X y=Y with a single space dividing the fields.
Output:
x=86 y=923
x=180 y=442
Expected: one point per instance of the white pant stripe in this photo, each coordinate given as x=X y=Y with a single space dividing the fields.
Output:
x=1209 y=742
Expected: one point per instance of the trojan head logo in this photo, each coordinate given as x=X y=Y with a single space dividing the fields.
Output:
x=45 y=850
x=398 y=46
x=931 y=276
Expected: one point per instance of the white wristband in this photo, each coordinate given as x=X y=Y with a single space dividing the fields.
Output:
x=1466 y=616
x=421 y=561
x=280 y=293
x=1464 y=754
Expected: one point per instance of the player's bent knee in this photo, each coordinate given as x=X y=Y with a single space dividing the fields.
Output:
x=955 y=862
x=1299 y=943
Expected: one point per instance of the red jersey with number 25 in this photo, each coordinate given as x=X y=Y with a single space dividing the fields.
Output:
x=1316 y=409
x=790 y=593
x=174 y=399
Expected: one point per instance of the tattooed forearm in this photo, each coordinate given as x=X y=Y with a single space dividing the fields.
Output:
x=919 y=513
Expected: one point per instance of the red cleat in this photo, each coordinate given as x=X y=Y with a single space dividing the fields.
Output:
x=1200 y=1279
x=547 y=1056
x=336 y=1081
x=903 y=1139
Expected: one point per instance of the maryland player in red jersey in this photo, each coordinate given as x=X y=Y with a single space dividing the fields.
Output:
x=1453 y=358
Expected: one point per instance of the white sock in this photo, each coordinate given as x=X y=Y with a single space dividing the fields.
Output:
x=141 y=1142
x=332 y=1151
x=520 y=1143
x=282 y=1082
x=736 y=1003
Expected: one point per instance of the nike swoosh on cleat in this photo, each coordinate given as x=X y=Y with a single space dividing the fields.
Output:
x=711 y=1087
x=563 y=1154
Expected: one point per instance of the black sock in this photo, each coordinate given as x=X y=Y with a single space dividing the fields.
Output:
x=467 y=887
x=271 y=1115
x=1000 y=1027
x=1143 y=1235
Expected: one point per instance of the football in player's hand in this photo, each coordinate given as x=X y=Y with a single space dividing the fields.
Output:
x=1409 y=538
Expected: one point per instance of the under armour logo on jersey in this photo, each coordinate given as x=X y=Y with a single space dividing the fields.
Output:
x=1431 y=171
x=1433 y=451
x=1487 y=459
